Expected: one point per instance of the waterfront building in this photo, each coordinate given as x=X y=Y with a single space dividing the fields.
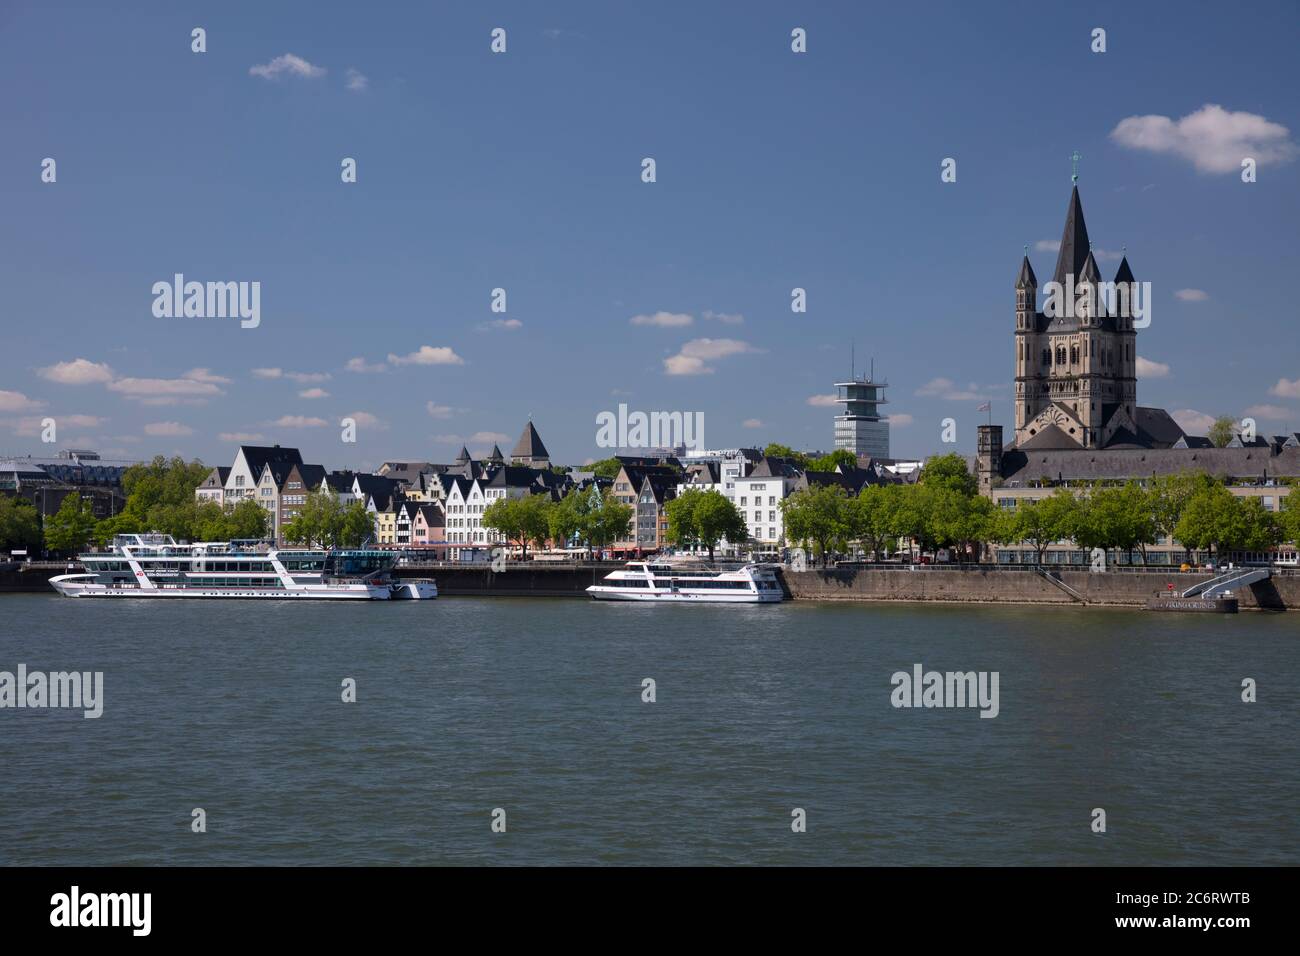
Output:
x=529 y=450
x=627 y=489
x=758 y=496
x=300 y=481
x=213 y=487
x=429 y=529
x=248 y=466
x=45 y=482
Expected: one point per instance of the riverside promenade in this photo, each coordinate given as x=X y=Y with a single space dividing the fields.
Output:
x=966 y=584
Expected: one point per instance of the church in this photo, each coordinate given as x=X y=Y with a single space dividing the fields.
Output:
x=1076 y=368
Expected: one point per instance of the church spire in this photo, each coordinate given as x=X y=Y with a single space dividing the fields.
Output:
x=1074 y=241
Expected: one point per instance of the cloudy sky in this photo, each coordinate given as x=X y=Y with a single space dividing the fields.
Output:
x=523 y=171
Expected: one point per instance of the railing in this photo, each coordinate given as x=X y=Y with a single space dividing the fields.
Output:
x=1230 y=580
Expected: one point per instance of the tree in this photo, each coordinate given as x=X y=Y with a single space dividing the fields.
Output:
x=320 y=520
x=796 y=458
x=1117 y=518
x=706 y=518
x=1169 y=496
x=1288 y=518
x=520 y=520
x=1222 y=431
x=20 y=525
x=1215 y=519
x=950 y=471
x=817 y=514
x=355 y=526
x=69 y=528
x=604 y=521
x=564 y=518
x=247 y=519
x=160 y=497
x=1049 y=519
x=840 y=456
x=606 y=468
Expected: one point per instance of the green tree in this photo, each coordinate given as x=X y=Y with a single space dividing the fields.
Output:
x=354 y=526
x=796 y=458
x=1288 y=519
x=1117 y=518
x=1054 y=518
x=564 y=518
x=604 y=521
x=705 y=518
x=160 y=497
x=1169 y=496
x=949 y=471
x=70 y=528
x=520 y=520
x=817 y=514
x=606 y=468
x=20 y=525
x=840 y=456
x=247 y=519
x=319 y=521
x=1222 y=431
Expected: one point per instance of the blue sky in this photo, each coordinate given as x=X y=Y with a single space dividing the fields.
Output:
x=522 y=171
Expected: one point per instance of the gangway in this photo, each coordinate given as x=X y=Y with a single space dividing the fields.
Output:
x=1228 y=581
x=1061 y=584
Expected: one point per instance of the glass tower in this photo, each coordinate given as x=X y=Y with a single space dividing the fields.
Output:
x=860 y=427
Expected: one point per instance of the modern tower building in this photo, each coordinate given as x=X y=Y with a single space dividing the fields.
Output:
x=860 y=427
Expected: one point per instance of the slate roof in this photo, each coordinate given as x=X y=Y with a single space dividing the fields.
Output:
x=1026 y=465
x=530 y=445
x=1074 y=241
x=257 y=457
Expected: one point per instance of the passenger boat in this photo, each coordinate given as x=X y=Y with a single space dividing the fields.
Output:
x=155 y=566
x=642 y=581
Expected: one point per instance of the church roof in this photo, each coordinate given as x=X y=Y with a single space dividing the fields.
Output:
x=530 y=444
x=1074 y=241
x=463 y=456
x=1026 y=277
x=1089 y=271
x=496 y=454
x=1124 y=274
x=1051 y=437
x=1157 y=428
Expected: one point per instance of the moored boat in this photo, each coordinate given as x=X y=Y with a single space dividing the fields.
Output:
x=155 y=566
x=646 y=582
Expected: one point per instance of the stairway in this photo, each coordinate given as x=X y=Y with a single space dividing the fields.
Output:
x=1061 y=584
x=1228 y=581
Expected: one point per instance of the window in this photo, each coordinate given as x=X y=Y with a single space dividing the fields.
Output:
x=771 y=499
x=744 y=500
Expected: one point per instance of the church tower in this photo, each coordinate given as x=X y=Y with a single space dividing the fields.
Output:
x=1076 y=379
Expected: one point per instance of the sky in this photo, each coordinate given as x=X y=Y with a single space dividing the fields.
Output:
x=523 y=171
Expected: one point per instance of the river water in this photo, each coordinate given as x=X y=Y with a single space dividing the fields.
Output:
x=535 y=707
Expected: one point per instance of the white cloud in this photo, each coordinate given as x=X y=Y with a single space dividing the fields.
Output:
x=205 y=375
x=900 y=419
x=313 y=393
x=77 y=372
x=30 y=426
x=946 y=389
x=366 y=420
x=1213 y=139
x=427 y=355
x=242 y=437
x=438 y=411
x=298 y=421
x=823 y=401
x=695 y=354
x=1271 y=413
x=167 y=429
x=359 y=364
x=161 y=390
x=356 y=80
x=753 y=423
x=670 y=320
x=1191 y=295
x=503 y=325
x=302 y=378
x=1192 y=421
x=1286 y=388
x=727 y=318
x=483 y=438
x=1149 y=369
x=287 y=63
x=18 y=402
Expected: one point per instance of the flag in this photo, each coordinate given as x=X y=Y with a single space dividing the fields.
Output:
x=987 y=406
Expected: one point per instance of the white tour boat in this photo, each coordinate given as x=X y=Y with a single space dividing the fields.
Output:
x=642 y=581
x=155 y=566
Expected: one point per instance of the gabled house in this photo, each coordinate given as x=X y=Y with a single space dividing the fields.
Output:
x=250 y=462
x=213 y=487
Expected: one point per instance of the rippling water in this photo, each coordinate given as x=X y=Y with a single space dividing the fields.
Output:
x=534 y=705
